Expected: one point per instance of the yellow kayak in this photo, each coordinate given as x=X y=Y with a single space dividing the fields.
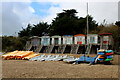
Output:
x=30 y=56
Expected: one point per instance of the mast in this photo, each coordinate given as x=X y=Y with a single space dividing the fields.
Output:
x=87 y=20
x=87 y=31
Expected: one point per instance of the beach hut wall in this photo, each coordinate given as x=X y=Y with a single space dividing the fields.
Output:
x=45 y=40
x=106 y=40
x=67 y=39
x=79 y=39
x=35 y=40
x=56 y=40
x=92 y=39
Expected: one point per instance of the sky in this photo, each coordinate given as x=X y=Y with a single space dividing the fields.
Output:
x=16 y=14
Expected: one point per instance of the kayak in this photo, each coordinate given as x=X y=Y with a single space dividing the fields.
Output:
x=110 y=56
x=109 y=51
x=101 y=53
x=109 y=59
x=101 y=56
x=101 y=50
x=100 y=59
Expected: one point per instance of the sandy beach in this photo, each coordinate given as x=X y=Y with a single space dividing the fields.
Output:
x=58 y=69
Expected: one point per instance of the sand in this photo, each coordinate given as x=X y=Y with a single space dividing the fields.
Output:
x=57 y=69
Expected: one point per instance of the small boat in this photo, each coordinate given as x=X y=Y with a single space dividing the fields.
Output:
x=101 y=53
x=109 y=51
x=109 y=59
x=110 y=56
x=30 y=56
x=101 y=56
x=100 y=59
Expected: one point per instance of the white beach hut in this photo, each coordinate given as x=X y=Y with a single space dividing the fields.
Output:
x=79 y=39
x=56 y=40
x=67 y=39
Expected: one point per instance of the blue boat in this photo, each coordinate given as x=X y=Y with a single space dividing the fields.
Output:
x=81 y=59
x=100 y=59
x=101 y=53
x=87 y=59
x=110 y=56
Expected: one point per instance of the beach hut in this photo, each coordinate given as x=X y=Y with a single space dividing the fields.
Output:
x=79 y=39
x=92 y=39
x=67 y=39
x=45 y=40
x=56 y=40
x=106 y=40
x=33 y=43
x=35 y=40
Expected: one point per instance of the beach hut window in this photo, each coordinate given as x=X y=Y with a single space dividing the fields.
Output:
x=92 y=39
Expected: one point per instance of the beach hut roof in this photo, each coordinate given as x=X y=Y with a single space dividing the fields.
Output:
x=34 y=37
x=56 y=36
x=79 y=35
x=67 y=36
x=45 y=37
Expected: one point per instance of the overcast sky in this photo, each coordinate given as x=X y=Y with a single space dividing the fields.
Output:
x=16 y=15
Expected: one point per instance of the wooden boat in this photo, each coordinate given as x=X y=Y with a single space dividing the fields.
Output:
x=23 y=54
x=14 y=56
x=30 y=56
x=8 y=55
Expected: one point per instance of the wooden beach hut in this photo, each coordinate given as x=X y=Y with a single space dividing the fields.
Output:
x=79 y=39
x=92 y=44
x=92 y=39
x=35 y=40
x=45 y=40
x=106 y=40
x=33 y=43
x=67 y=39
x=56 y=40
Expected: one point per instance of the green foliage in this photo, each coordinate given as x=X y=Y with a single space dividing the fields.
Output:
x=67 y=23
x=25 y=32
x=39 y=29
x=13 y=43
x=118 y=23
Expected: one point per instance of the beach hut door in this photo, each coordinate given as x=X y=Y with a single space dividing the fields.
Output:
x=56 y=41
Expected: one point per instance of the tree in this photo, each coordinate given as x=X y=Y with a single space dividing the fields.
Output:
x=67 y=23
x=25 y=32
x=40 y=29
x=117 y=23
